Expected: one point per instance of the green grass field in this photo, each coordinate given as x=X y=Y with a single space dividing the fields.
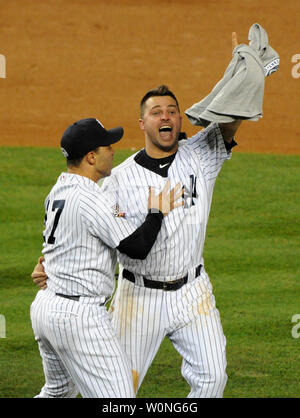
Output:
x=252 y=255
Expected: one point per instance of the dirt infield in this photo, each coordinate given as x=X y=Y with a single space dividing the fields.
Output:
x=71 y=59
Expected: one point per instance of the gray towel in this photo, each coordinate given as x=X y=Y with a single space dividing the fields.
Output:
x=239 y=94
x=259 y=41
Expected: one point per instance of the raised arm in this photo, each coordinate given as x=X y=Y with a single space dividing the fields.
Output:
x=228 y=130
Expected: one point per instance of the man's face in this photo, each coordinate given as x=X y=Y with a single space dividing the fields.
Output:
x=104 y=160
x=161 y=123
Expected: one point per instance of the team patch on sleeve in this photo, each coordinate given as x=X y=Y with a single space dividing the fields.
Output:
x=116 y=211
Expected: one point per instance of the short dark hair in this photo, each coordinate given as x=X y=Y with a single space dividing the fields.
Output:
x=75 y=162
x=162 y=90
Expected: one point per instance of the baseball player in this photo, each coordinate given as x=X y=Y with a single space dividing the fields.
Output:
x=79 y=348
x=169 y=294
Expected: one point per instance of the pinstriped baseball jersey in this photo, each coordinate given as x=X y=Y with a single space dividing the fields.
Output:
x=180 y=242
x=80 y=232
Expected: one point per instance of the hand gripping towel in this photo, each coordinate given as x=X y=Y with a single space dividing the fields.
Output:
x=239 y=94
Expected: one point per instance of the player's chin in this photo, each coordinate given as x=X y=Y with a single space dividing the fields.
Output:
x=105 y=173
x=167 y=145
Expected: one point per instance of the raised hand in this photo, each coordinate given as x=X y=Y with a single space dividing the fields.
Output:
x=234 y=40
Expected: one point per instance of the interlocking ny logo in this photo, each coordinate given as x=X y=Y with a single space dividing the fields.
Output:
x=2 y=66
x=190 y=192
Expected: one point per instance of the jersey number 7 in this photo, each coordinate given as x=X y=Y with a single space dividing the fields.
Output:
x=57 y=205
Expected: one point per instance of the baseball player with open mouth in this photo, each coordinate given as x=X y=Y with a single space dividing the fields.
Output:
x=169 y=294
x=79 y=347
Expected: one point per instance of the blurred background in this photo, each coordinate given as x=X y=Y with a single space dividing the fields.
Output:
x=68 y=59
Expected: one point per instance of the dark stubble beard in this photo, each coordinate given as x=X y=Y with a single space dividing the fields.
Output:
x=167 y=148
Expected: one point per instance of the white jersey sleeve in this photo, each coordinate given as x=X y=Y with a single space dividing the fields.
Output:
x=209 y=145
x=98 y=213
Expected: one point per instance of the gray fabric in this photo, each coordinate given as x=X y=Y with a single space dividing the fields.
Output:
x=259 y=41
x=239 y=94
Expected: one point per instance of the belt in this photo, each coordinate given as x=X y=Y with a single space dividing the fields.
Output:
x=68 y=296
x=167 y=286
x=75 y=298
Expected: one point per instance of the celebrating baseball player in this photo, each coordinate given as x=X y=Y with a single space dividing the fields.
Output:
x=79 y=347
x=169 y=293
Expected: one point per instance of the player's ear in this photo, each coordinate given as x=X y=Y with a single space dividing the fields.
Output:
x=180 y=121
x=90 y=157
x=141 y=124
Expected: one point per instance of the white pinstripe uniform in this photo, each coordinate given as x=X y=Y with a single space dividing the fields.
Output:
x=79 y=348
x=143 y=316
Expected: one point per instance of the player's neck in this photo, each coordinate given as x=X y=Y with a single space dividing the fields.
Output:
x=157 y=153
x=90 y=174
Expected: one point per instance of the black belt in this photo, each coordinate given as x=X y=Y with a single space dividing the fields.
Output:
x=75 y=298
x=68 y=296
x=168 y=286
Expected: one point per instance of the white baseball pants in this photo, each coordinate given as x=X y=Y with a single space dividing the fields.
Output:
x=79 y=349
x=188 y=317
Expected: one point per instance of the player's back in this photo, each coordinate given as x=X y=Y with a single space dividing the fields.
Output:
x=77 y=262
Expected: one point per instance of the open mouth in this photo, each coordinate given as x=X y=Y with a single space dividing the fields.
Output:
x=165 y=128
